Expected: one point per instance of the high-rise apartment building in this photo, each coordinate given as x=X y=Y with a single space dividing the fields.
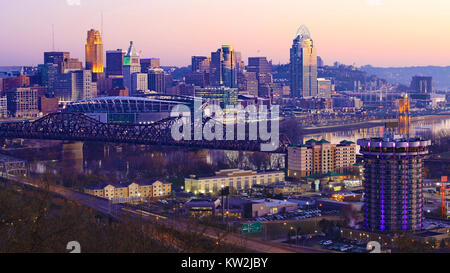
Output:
x=114 y=62
x=303 y=65
x=94 y=51
x=156 y=80
x=131 y=64
x=223 y=67
x=22 y=102
x=319 y=157
x=393 y=183
x=75 y=85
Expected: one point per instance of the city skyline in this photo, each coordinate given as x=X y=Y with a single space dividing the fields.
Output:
x=361 y=32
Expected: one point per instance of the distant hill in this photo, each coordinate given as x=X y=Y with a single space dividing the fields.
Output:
x=403 y=75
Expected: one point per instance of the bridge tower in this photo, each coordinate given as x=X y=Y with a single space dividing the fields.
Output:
x=404 y=115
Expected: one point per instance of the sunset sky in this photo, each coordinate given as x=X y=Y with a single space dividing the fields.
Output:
x=376 y=32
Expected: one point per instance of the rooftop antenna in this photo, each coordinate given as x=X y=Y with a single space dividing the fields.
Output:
x=53 y=37
x=101 y=27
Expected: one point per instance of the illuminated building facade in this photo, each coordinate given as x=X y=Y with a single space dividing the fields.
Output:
x=218 y=95
x=404 y=116
x=393 y=183
x=153 y=190
x=319 y=157
x=224 y=67
x=94 y=51
x=234 y=178
x=303 y=65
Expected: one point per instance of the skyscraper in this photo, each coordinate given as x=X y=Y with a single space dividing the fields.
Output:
x=200 y=64
x=94 y=51
x=156 y=80
x=263 y=70
x=139 y=83
x=114 y=62
x=224 y=67
x=58 y=58
x=75 y=85
x=393 y=183
x=303 y=65
x=22 y=102
x=248 y=83
x=131 y=64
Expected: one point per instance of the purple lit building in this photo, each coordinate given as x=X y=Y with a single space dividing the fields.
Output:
x=393 y=183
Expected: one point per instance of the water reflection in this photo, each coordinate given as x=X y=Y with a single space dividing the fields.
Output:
x=418 y=128
x=123 y=161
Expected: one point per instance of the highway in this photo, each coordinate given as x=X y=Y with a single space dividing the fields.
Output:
x=122 y=214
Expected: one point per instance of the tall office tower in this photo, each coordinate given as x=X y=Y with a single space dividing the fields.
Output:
x=131 y=64
x=404 y=115
x=75 y=85
x=319 y=157
x=200 y=64
x=58 y=58
x=94 y=51
x=114 y=62
x=393 y=182
x=248 y=83
x=422 y=84
x=263 y=70
x=323 y=88
x=303 y=65
x=139 y=83
x=223 y=67
x=22 y=102
x=149 y=63
x=156 y=80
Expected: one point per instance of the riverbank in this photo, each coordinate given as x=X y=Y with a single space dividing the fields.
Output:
x=366 y=124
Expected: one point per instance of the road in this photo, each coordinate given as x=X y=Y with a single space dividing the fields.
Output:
x=103 y=206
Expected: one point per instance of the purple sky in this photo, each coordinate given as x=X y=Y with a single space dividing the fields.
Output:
x=377 y=32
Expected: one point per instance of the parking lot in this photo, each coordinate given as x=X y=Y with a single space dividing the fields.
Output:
x=294 y=215
x=322 y=242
